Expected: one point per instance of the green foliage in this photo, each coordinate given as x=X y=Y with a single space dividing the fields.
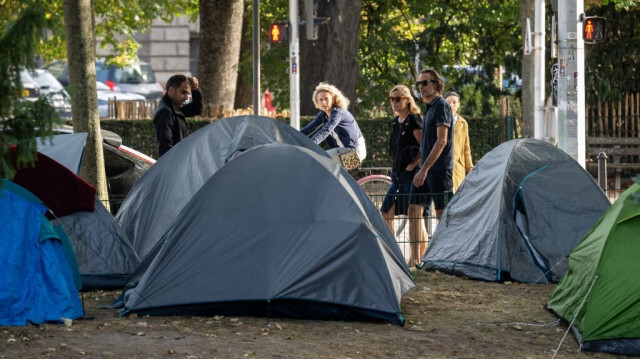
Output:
x=21 y=121
x=117 y=22
x=399 y=37
x=622 y=4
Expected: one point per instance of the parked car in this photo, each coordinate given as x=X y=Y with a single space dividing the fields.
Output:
x=123 y=165
x=105 y=94
x=136 y=78
x=53 y=89
x=30 y=88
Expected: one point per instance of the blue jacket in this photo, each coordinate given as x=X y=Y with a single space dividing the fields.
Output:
x=341 y=123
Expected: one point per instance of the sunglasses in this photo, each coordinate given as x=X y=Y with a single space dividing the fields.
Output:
x=396 y=99
x=424 y=83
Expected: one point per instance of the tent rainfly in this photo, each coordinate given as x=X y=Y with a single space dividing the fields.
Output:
x=517 y=216
x=279 y=230
x=600 y=294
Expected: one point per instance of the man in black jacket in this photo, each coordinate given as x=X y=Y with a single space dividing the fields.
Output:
x=169 y=120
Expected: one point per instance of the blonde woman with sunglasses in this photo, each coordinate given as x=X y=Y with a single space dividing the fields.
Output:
x=404 y=147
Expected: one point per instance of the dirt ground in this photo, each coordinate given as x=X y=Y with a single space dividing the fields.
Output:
x=446 y=317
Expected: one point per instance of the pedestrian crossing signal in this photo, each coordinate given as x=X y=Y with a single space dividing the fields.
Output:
x=279 y=32
x=594 y=29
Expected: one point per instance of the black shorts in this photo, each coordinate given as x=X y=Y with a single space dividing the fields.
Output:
x=437 y=187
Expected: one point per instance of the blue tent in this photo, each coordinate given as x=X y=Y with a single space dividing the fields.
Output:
x=37 y=283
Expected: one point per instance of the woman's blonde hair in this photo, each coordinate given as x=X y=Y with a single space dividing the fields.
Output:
x=404 y=90
x=338 y=98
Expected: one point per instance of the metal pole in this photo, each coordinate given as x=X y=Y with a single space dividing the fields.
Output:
x=571 y=94
x=539 y=70
x=256 y=57
x=602 y=171
x=294 y=66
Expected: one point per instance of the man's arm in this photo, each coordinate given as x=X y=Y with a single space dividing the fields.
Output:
x=163 y=126
x=436 y=150
x=194 y=108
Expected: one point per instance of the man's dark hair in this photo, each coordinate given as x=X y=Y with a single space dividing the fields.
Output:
x=435 y=76
x=175 y=81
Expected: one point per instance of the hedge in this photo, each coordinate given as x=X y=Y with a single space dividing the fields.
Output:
x=484 y=134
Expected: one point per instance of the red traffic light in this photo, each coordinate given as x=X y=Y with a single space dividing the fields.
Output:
x=594 y=29
x=279 y=32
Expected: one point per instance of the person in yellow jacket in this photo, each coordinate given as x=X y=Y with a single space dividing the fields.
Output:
x=462 y=163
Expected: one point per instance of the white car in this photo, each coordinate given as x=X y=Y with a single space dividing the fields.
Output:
x=105 y=94
x=53 y=90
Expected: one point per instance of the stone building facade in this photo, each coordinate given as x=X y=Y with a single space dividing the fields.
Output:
x=170 y=48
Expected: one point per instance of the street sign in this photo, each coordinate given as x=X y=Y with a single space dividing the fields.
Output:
x=594 y=29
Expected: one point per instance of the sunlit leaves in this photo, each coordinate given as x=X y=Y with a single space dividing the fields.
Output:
x=399 y=37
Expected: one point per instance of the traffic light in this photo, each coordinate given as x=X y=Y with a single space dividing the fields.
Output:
x=279 y=32
x=594 y=29
x=311 y=21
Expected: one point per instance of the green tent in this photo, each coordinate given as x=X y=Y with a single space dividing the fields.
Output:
x=600 y=294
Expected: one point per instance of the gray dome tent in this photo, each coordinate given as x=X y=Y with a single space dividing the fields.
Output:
x=278 y=231
x=518 y=215
x=106 y=258
x=146 y=215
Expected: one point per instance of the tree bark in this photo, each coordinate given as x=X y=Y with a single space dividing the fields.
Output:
x=527 y=10
x=221 y=33
x=244 y=86
x=333 y=57
x=78 y=19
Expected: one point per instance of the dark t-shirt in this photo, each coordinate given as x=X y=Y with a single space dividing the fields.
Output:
x=438 y=113
x=403 y=145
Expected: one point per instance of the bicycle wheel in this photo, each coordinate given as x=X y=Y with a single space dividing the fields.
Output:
x=376 y=187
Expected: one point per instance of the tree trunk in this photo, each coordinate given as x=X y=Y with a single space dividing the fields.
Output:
x=244 y=86
x=527 y=10
x=221 y=33
x=333 y=57
x=78 y=19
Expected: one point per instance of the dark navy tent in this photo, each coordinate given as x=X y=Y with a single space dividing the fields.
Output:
x=518 y=215
x=279 y=230
x=37 y=282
